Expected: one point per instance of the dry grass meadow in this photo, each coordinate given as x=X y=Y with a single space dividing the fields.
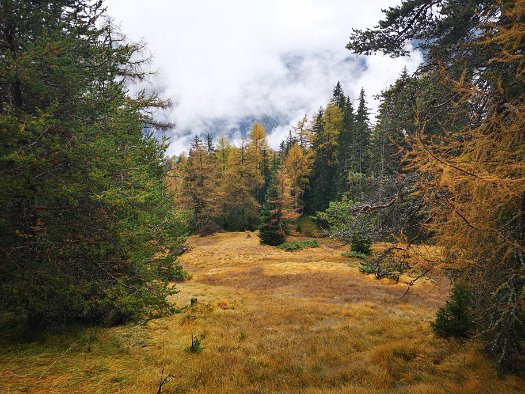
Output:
x=270 y=321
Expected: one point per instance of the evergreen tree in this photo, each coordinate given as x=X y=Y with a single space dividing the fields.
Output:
x=84 y=212
x=345 y=148
x=396 y=124
x=273 y=228
x=325 y=164
x=209 y=144
x=338 y=96
x=361 y=137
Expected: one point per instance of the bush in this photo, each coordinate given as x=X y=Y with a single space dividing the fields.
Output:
x=454 y=319
x=368 y=268
x=307 y=226
x=384 y=265
x=298 y=245
x=208 y=228
x=361 y=245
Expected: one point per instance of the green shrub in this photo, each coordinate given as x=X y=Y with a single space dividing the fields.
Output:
x=361 y=245
x=307 y=226
x=384 y=265
x=454 y=320
x=354 y=254
x=298 y=245
x=367 y=268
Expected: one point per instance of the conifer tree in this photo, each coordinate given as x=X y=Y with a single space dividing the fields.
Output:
x=338 y=96
x=256 y=146
x=273 y=227
x=361 y=136
x=345 y=147
x=325 y=137
x=471 y=160
x=83 y=204
x=239 y=208
x=396 y=123
x=297 y=166
x=201 y=186
x=303 y=133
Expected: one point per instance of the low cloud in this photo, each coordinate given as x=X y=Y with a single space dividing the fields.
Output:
x=222 y=62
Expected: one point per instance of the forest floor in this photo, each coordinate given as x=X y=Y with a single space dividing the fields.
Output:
x=268 y=321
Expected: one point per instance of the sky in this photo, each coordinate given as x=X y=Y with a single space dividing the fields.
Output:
x=227 y=63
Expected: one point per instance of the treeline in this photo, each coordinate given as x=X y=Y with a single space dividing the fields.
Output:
x=333 y=154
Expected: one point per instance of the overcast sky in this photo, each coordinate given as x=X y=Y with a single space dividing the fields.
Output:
x=222 y=62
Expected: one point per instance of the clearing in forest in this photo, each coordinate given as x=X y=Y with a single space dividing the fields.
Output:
x=266 y=320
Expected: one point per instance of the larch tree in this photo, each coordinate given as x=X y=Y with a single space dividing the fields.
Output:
x=240 y=209
x=472 y=167
x=201 y=187
x=297 y=166
x=257 y=160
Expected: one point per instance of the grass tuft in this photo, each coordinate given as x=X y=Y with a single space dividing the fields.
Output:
x=354 y=254
x=298 y=245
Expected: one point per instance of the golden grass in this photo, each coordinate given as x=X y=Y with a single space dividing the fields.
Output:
x=272 y=321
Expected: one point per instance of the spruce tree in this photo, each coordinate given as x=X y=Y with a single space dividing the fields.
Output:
x=273 y=228
x=338 y=96
x=361 y=136
x=345 y=147
x=84 y=212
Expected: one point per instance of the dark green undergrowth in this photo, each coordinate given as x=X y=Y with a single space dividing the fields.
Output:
x=354 y=254
x=385 y=265
x=454 y=320
x=293 y=246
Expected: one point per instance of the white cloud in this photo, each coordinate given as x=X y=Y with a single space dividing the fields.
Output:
x=231 y=59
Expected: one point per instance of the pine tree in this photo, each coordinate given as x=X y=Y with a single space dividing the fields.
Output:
x=338 y=96
x=327 y=126
x=396 y=124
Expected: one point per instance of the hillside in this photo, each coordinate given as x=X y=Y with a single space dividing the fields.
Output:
x=269 y=321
